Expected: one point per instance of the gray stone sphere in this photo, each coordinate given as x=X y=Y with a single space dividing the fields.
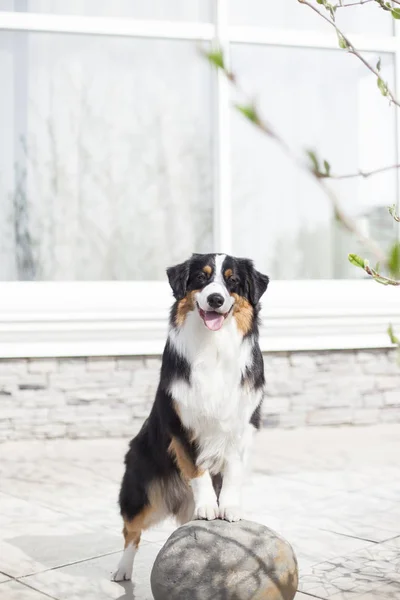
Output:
x=217 y=560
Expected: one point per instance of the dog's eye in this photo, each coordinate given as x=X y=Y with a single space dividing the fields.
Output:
x=234 y=280
x=201 y=277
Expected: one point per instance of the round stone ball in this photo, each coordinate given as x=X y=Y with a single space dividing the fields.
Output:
x=218 y=560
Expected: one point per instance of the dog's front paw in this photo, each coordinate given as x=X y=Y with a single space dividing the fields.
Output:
x=121 y=574
x=207 y=511
x=230 y=513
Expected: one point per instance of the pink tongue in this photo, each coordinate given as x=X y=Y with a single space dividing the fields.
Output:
x=213 y=320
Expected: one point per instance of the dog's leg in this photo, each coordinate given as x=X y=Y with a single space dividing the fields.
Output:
x=205 y=499
x=132 y=539
x=132 y=532
x=230 y=499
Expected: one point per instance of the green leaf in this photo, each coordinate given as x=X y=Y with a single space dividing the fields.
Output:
x=342 y=42
x=327 y=168
x=216 y=58
x=385 y=6
x=394 y=260
x=393 y=338
x=314 y=159
x=382 y=86
x=396 y=13
x=249 y=112
x=392 y=210
x=377 y=267
x=378 y=65
x=356 y=260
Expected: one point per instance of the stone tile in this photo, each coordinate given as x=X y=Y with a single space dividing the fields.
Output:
x=310 y=544
x=393 y=543
x=15 y=562
x=347 y=595
x=266 y=493
x=334 y=480
x=357 y=506
x=14 y=590
x=359 y=573
x=90 y=580
x=352 y=528
x=41 y=547
x=15 y=512
x=386 y=488
x=314 y=545
x=388 y=520
x=391 y=591
x=322 y=490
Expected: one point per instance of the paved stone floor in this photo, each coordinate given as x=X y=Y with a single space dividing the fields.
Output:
x=333 y=493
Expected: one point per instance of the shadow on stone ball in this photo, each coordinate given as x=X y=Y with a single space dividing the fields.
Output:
x=217 y=560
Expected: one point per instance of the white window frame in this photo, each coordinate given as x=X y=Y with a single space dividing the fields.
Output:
x=44 y=319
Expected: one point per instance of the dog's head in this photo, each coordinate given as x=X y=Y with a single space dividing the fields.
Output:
x=217 y=285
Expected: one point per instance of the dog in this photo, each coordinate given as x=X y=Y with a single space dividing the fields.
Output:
x=188 y=460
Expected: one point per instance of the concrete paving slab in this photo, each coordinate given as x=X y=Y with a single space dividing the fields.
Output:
x=91 y=579
x=13 y=590
x=332 y=492
x=27 y=554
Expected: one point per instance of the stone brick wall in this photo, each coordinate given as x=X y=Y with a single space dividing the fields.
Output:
x=96 y=397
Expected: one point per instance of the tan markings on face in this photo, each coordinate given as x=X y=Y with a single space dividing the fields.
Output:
x=185 y=464
x=184 y=306
x=228 y=273
x=243 y=313
x=207 y=270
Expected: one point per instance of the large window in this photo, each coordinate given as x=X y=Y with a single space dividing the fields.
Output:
x=112 y=154
x=120 y=153
x=318 y=100
x=105 y=167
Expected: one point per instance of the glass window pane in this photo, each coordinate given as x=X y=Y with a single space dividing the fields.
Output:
x=105 y=156
x=323 y=100
x=172 y=10
x=289 y=14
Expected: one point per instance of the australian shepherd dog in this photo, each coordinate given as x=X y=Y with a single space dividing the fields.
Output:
x=188 y=459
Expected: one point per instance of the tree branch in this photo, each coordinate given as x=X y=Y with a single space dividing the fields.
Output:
x=357 y=261
x=351 y=226
x=250 y=111
x=380 y=278
x=361 y=2
x=364 y=174
x=344 y=42
x=355 y=3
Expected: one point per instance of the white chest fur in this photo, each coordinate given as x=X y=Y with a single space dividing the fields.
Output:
x=214 y=405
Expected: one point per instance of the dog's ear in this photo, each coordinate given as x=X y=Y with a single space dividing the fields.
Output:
x=257 y=284
x=178 y=279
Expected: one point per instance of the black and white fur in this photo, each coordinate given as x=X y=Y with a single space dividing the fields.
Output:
x=188 y=459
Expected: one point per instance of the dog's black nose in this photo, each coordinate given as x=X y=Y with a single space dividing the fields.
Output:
x=215 y=300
